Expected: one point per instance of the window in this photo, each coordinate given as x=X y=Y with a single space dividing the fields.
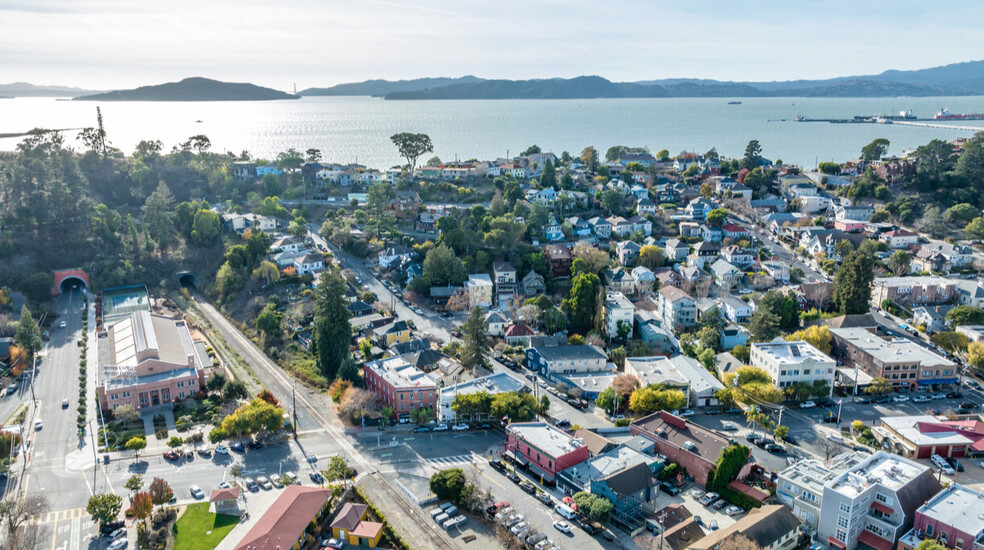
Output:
x=811 y=517
x=114 y=396
x=841 y=535
x=181 y=395
x=881 y=498
x=959 y=543
x=181 y=384
x=126 y=394
x=842 y=521
x=845 y=508
x=191 y=382
x=929 y=529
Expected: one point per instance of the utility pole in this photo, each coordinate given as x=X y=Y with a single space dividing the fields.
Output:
x=779 y=423
x=293 y=408
x=840 y=404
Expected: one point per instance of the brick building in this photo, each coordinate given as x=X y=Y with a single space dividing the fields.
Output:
x=913 y=290
x=401 y=385
x=954 y=517
x=901 y=361
x=691 y=446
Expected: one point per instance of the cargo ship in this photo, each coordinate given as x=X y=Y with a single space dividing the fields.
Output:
x=945 y=114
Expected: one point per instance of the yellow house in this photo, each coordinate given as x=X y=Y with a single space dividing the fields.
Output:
x=397 y=332
x=351 y=526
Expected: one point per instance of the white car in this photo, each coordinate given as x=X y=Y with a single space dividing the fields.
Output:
x=733 y=510
x=120 y=544
x=938 y=396
x=224 y=485
x=562 y=526
x=687 y=412
x=807 y=405
x=221 y=450
x=264 y=482
x=197 y=492
x=921 y=399
x=460 y=427
x=900 y=398
x=519 y=528
x=708 y=498
x=441 y=428
x=62 y=324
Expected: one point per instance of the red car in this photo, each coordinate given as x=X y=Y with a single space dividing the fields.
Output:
x=171 y=455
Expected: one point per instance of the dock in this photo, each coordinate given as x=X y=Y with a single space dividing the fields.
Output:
x=922 y=123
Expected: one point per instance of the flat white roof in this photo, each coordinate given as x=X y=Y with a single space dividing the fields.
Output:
x=792 y=353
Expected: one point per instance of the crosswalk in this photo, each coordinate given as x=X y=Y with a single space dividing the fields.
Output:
x=457 y=459
x=59 y=515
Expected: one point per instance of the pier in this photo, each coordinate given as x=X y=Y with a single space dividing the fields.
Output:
x=923 y=123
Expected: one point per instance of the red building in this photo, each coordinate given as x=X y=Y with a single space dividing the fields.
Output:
x=401 y=385
x=544 y=448
x=922 y=436
x=689 y=445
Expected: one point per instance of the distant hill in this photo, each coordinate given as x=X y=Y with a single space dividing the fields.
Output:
x=24 y=89
x=193 y=89
x=955 y=79
x=379 y=88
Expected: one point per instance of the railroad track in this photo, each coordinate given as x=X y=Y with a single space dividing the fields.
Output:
x=258 y=359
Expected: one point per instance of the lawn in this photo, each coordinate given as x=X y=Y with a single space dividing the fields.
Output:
x=199 y=529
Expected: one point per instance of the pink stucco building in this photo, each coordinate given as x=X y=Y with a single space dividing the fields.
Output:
x=545 y=448
x=148 y=360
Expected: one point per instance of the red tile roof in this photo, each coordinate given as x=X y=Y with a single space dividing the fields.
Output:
x=873 y=540
x=286 y=519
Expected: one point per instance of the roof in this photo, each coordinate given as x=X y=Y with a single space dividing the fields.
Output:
x=400 y=374
x=791 y=353
x=500 y=267
x=631 y=480
x=595 y=442
x=890 y=472
x=683 y=535
x=563 y=353
x=310 y=258
x=926 y=430
x=957 y=506
x=545 y=437
x=518 y=330
x=366 y=529
x=865 y=320
x=143 y=336
x=423 y=358
x=349 y=516
x=286 y=519
x=607 y=464
x=409 y=347
x=890 y=351
x=673 y=294
x=763 y=526
x=495 y=316
x=499 y=382
x=479 y=279
x=677 y=431
x=219 y=495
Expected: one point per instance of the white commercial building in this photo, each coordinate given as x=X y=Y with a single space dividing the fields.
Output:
x=500 y=382
x=618 y=309
x=790 y=362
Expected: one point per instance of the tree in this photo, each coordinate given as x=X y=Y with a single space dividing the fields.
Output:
x=411 y=146
x=332 y=332
x=267 y=272
x=613 y=201
x=338 y=468
x=422 y=415
x=716 y=217
x=104 y=507
x=651 y=256
x=852 y=284
x=899 y=263
x=951 y=341
x=961 y=213
x=448 y=484
x=580 y=307
x=596 y=507
x=780 y=432
x=544 y=404
x=755 y=417
x=875 y=150
x=141 y=507
x=160 y=492
x=136 y=444
x=653 y=398
x=975 y=355
x=22 y=534
x=516 y=406
x=975 y=229
x=158 y=216
x=753 y=155
x=589 y=156
x=595 y=259
x=443 y=267
x=785 y=306
x=134 y=483
x=815 y=335
x=879 y=385
x=268 y=322
x=27 y=336
x=764 y=325
x=234 y=389
x=965 y=315
x=474 y=333
x=549 y=176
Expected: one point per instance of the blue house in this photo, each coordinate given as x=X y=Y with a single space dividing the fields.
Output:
x=565 y=359
x=269 y=169
x=628 y=490
x=733 y=336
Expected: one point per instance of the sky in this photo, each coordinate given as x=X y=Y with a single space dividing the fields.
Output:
x=112 y=44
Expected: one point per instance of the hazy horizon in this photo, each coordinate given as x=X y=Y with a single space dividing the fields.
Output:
x=112 y=44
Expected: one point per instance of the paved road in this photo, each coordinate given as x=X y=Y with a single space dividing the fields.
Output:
x=782 y=251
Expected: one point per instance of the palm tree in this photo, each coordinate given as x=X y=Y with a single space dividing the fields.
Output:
x=755 y=417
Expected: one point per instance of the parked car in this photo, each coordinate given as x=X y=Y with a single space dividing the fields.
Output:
x=171 y=455
x=938 y=396
x=954 y=395
x=119 y=544
x=331 y=544
x=254 y=444
x=669 y=488
x=968 y=405
x=956 y=464
x=544 y=498
x=562 y=526
x=264 y=482
x=238 y=447
x=734 y=410
x=863 y=400
x=563 y=423
x=511 y=476
x=121 y=532
x=109 y=527
x=826 y=402
x=497 y=465
x=900 y=398
x=708 y=498
x=733 y=510
x=528 y=487
x=807 y=405
x=728 y=427
x=205 y=451
x=460 y=427
x=317 y=477
x=441 y=428
x=720 y=504
x=64 y=403
x=752 y=437
x=774 y=448
x=224 y=485
x=921 y=399
x=197 y=492
x=686 y=413
x=221 y=450
x=519 y=528
x=420 y=429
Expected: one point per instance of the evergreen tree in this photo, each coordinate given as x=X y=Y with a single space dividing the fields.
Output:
x=549 y=176
x=852 y=285
x=475 y=336
x=332 y=332
x=580 y=306
x=28 y=336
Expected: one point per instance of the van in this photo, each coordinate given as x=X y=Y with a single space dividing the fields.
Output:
x=942 y=464
x=566 y=511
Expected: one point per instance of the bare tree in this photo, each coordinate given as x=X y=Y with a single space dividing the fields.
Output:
x=459 y=301
x=701 y=288
x=761 y=281
x=644 y=288
x=830 y=448
x=737 y=542
x=15 y=516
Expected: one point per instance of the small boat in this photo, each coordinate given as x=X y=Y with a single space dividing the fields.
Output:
x=734 y=103
x=198 y=122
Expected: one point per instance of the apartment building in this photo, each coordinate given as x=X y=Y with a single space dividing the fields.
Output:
x=401 y=385
x=901 y=361
x=800 y=486
x=676 y=308
x=618 y=311
x=789 y=363
x=913 y=290
x=872 y=504
x=954 y=517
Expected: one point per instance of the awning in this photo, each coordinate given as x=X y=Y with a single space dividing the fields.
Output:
x=511 y=455
x=836 y=543
x=929 y=381
x=882 y=508
x=872 y=540
x=535 y=470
